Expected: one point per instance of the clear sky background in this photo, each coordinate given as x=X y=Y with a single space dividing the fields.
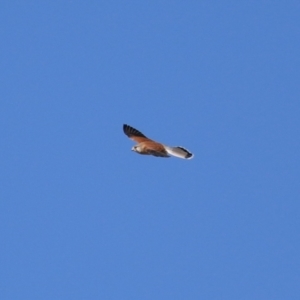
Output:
x=83 y=217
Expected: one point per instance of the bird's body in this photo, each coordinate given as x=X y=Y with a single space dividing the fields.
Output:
x=147 y=146
x=151 y=148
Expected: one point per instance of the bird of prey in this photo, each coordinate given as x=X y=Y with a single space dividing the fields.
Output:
x=149 y=147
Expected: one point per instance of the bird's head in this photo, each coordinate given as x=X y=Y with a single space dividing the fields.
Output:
x=135 y=148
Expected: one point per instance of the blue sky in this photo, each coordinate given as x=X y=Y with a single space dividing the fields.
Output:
x=83 y=217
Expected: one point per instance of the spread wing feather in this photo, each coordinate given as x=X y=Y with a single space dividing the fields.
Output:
x=134 y=134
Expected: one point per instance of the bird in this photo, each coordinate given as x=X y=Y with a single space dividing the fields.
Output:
x=147 y=146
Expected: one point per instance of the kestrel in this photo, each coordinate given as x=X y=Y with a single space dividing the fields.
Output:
x=149 y=147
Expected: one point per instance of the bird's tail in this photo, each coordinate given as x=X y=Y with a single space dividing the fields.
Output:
x=179 y=152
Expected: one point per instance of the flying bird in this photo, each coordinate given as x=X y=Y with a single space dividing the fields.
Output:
x=149 y=147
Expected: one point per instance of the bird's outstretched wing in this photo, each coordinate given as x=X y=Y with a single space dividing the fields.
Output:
x=134 y=134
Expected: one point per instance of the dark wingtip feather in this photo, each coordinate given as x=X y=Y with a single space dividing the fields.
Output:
x=125 y=127
x=130 y=131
